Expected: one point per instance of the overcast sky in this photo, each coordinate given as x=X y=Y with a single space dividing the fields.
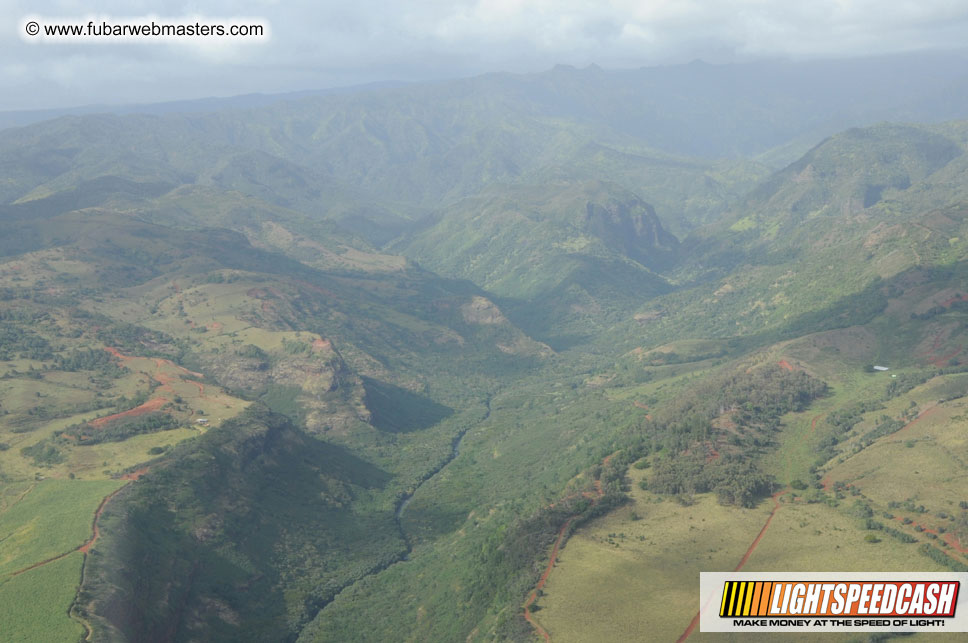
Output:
x=316 y=44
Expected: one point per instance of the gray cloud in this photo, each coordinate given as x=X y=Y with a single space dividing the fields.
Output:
x=317 y=44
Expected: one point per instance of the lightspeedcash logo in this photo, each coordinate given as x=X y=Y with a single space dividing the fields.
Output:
x=873 y=598
x=827 y=602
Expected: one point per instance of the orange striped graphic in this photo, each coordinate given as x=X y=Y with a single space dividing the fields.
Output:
x=746 y=598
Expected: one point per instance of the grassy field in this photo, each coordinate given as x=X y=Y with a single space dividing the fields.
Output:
x=919 y=473
x=625 y=579
x=107 y=458
x=214 y=307
x=52 y=519
x=634 y=574
x=801 y=433
x=19 y=395
x=621 y=578
x=101 y=460
x=15 y=465
x=33 y=606
x=828 y=539
x=925 y=462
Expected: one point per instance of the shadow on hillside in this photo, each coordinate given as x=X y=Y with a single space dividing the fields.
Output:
x=397 y=410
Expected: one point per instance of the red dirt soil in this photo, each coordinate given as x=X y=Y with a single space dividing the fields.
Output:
x=692 y=625
x=749 y=552
x=117 y=353
x=759 y=536
x=533 y=596
x=825 y=483
x=756 y=541
x=930 y=355
x=942 y=361
x=947 y=302
x=541 y=583
x=949 y=538
x=162 y=378
x=922 y=414
x=95 y=530
x=159 y=362
x=785 y=364
x=746 y=556
x=147 y=407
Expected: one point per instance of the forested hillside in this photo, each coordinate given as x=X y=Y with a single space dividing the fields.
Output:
x=364 y=365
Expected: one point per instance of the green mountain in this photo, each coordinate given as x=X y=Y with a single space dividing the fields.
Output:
x=849 y=173
x=369 y=363
x=861 y=206
x=220 y=540
x=349 y=367
x=567 y=252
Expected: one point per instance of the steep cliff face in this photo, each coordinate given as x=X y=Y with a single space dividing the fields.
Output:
x=631 y=227
x=315 y=384
x=559 y=252
x=512 y=241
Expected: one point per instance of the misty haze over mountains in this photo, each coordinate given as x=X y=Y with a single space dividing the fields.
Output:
x=766 y=104
x=355 y=364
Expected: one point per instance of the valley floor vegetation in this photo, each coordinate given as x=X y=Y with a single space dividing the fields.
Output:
x=447 y=363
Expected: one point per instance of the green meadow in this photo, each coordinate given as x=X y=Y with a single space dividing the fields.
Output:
x=34 y=605
x=54 y=518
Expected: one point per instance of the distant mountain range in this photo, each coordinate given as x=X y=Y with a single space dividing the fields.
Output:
x=428 y=327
